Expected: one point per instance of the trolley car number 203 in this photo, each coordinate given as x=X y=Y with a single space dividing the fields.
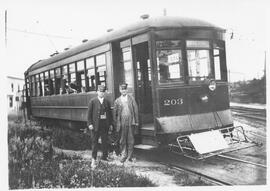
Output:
x=176 y=101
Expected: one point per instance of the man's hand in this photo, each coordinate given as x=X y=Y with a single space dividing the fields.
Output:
x=111 y=128
x=118 y=128
x=90 y=127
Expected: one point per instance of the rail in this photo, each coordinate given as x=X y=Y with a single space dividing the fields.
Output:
x=204 y=177
x=240 y=160
x=252 y=113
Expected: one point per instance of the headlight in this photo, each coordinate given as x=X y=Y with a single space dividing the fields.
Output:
x=212 y=85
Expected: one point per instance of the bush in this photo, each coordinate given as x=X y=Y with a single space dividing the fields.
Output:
x=18 y=117
x=29 y=149
x=70 y=139
x=252 y=91
x=78 y=174
x=32 y=164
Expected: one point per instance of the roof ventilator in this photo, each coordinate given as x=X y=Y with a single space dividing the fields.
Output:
x=84 y=40
x=145 y=16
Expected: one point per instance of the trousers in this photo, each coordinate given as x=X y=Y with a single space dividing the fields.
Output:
x=126 y=139
x=103 y=133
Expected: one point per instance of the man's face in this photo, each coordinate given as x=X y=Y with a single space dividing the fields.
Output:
x=123 y=91
x=100 y=94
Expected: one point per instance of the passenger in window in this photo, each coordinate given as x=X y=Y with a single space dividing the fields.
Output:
x=99 y=121
x=73 y=87
x=126 y=120
x=51 y=87
x=64 y=85
x=47 y=90
x=83 y=89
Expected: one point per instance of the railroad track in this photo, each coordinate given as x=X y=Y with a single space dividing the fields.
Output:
x=223 y=169
x=217 y=179
x=219 y=170
x=201 y=176
x=242 y=161
x=251 y=113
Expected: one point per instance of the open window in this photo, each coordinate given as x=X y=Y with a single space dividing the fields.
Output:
x=81 y=76
x=73 y=86
x=51 y=82
x=40 y=84
x=33 y=86
x=127 y=67
x=46 y=84
x=57 y=80
x=64 y=80
x=101 y=69
x=90 y=70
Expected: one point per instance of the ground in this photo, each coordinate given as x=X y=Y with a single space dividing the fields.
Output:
x=159 y=174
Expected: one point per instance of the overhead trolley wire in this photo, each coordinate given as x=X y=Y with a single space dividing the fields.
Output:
x=39 y=34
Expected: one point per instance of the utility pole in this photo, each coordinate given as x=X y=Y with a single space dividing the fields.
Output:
x=164 y=12
x=6 y=28
x=229 y=76
x=264 y=64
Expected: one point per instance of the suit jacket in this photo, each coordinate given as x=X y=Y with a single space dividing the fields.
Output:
x=118 y=110
x=93 y=113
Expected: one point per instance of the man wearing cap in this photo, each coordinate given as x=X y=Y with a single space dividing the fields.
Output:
x=99 y=121
x=126 y=118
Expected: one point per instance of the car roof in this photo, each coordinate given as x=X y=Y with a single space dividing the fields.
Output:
x=132 y=29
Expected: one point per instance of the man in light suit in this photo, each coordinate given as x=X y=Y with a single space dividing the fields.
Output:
x=126 y=118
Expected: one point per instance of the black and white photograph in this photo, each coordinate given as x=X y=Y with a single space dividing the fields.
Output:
x=144 y=94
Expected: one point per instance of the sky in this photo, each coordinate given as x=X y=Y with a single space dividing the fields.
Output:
x=38 y=28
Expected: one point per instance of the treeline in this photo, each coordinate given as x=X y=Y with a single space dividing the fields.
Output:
x=252 y=91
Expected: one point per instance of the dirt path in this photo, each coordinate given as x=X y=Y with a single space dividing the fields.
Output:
x=159 y=174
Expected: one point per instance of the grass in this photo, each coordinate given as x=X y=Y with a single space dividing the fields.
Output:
x=33 y=164
x=78 y=174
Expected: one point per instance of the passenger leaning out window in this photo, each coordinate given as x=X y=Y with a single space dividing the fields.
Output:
x=73 y=87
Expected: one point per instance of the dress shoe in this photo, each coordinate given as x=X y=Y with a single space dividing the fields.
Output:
x=105 y=159
x=93 y=164
x=122 y=160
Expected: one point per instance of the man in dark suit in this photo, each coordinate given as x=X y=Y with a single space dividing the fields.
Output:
x=99 y=121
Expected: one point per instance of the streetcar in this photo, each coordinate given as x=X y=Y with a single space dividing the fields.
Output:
x=175 y=68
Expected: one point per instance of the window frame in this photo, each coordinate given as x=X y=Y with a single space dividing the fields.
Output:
x=81 y=72
x=181 y=49
x=57 y=80
x=88 y=89
x=222 y=60
x=123 y=50
x=48 y=79
x=190 y=81
x=98 y=66
x=41 y=78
